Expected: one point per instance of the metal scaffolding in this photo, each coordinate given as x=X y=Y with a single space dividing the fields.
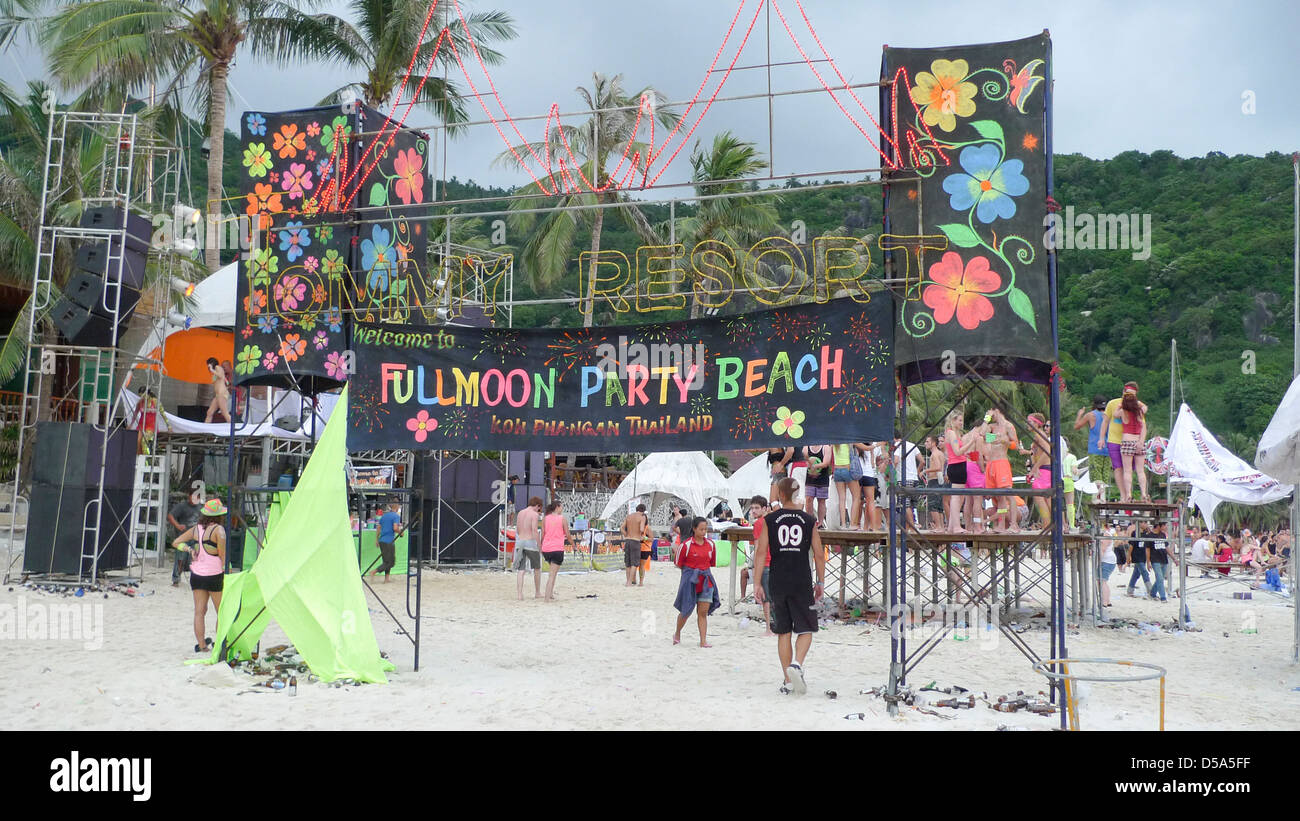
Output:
x=75 y=383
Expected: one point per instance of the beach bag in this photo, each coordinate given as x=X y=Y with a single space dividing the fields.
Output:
x=1272 y=579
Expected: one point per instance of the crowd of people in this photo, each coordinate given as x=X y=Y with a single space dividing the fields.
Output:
x=855 y=477
x=1144 y=551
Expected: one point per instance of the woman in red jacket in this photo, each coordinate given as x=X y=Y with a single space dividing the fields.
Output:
x=697 y=590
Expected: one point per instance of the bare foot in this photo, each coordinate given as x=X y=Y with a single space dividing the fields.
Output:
x=677 y=639
x=705 y=644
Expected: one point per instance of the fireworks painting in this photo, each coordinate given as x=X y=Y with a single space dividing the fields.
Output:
x=738 y=329
x=573 y=348
x=364 y=409
x=817 y=336
x=862 y=329
x=654 y=334
x=455 y=423
x=856 y=395
x=876 y=353
x=501 y=345
x=701 y=404
x=749 y=420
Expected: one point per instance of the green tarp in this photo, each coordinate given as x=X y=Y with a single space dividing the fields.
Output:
x=307 y=577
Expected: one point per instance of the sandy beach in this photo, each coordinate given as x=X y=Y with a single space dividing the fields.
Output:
x=601 y=658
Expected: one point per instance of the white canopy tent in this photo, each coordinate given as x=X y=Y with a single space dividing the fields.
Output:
x=690 y=476
x=752 y=479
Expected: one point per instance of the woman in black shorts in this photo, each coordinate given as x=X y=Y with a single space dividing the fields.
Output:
x=864 y=511
x=207 y=565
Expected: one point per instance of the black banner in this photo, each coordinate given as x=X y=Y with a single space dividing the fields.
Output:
x=966 y=208
x=808 y=374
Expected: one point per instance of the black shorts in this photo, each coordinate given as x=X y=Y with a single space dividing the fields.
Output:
x=869 y=481
x=631 y=552
x=213 y=584
x=388 y=552
x=555 y=557
x=957 y=473
x=645 y=555
x=794 y=613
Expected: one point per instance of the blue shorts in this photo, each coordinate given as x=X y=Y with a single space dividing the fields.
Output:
x=1105 y=570
x=844 y=475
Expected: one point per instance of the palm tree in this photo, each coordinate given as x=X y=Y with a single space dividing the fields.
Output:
x=736 y=221
x=612 y=126
x=115 y=47
x=21 y=179
x=385 y=35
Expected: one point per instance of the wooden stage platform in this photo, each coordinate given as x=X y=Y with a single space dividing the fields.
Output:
x=1073 y=541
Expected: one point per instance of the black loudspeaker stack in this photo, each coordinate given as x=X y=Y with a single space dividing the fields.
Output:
x=106 y=272
x=468 y=530
x=64 y=486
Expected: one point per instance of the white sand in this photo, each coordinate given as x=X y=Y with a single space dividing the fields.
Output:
x=489 y=661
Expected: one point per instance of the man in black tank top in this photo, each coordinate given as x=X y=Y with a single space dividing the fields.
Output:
x=790 y=535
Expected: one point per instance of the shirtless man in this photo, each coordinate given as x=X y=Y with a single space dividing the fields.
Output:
x=634 y=526
x=999 y=435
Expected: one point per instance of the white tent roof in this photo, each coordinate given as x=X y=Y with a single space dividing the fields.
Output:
x=752 y=479
x=214 y=299
x=1278 y=453
x=214 y=307
x=690 y=476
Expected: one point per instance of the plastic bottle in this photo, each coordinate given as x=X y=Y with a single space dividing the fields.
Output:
x=293 y=685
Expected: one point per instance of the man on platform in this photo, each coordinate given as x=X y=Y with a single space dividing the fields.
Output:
x=999 y=435
x=788 y=536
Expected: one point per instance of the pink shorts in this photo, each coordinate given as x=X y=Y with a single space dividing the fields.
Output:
x=1042 y=478
x=974 y=476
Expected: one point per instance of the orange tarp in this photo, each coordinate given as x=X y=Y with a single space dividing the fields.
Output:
x=188 y=351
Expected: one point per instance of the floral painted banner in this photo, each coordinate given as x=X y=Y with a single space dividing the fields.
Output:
x=391 y=254
x=289 y=322
x=806 y=375
x=965 y=217
x=338 y=203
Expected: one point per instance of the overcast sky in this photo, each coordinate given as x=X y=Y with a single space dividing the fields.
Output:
x=1129 y=74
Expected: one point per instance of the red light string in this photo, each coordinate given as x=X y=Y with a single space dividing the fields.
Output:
x=496 y=96
x=397 y=100
x=708 y=75
x=888 y=161
x=725 y=76
x=433 y=56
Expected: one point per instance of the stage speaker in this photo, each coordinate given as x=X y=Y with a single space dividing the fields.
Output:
x=521 y=493
x=57 y=517
x=468 y=530
x=194 y=413
x=82 y=315
x=115 y=218
x=68 y=455
x=87 y=290
x=97 y=257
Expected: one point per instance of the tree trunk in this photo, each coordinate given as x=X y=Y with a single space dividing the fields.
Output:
x=216 y=161
x=596 y=225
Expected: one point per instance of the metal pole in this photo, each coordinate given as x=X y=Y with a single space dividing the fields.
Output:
x=1295 y=372
x=1173 y=369
x=771 y=118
